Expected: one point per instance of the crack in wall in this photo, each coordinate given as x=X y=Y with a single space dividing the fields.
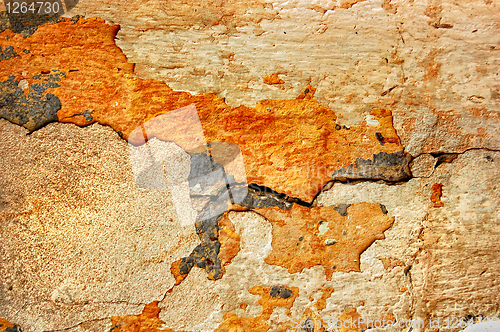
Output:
x=441 y=158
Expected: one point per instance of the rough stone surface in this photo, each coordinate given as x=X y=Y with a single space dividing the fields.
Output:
x=445 y=263
x=397 y=99
x=423 y=165
x=79 y=239
x=435 y=63
x=418 y=271
x=311 y=145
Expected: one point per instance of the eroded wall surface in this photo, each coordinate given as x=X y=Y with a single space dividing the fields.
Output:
x=369 y=133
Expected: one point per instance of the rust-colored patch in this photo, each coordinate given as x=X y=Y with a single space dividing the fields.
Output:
x=348 y=316
x=483 y=113
x=271 y=297
x=147 y=321
x=434 y=13
x=232 y=323
x=6 y=326
x=431 y=66
x=305 y=237
x=321 y=303
x=243 y=306
x=273 y=79
x=290 y=146
x=436 y=194
x=389 y=7
x=175 y=270
x=307 y=93
x=346 y=4
x=274 y=296
x=229 y=241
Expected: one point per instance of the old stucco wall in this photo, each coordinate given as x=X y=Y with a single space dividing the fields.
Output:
x=362 y=138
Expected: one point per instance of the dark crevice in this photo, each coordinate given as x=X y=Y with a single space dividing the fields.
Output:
x=443 y=158
x=206 y=174
x=258 y=192
x=390 y=167
x=282 y=292
x=34 y=110
x=206 y=254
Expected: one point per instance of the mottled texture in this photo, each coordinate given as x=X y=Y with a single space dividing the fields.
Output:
x=443 y=260
x=321 y=302
x=291 y=146
x=147 y=321
x=219 y=244
x=401 y=91
x=304 y=237
x=420 y=268
x=434 y=63
x=25 y=24
x=78 y=239
x=232 y=322
x=32 y=109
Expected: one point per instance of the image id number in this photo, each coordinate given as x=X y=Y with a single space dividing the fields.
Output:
x=39 y=8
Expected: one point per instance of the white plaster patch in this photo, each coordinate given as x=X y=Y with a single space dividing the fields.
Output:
x=371 y=121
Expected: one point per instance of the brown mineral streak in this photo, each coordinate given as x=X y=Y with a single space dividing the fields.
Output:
x=298 y=243
x=229 y=241
x=273 y=79
x=232 y=322
x=290 y=146
x=436 y=194
x=321 y=303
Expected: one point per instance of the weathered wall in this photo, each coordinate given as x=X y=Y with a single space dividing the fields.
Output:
x=369 y=131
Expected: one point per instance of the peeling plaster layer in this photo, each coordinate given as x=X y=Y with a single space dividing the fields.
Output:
x=84 y=247
x=434 y=62
x=290 y=146
x=446 y=256
x=399 y=275
x=304 y=237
